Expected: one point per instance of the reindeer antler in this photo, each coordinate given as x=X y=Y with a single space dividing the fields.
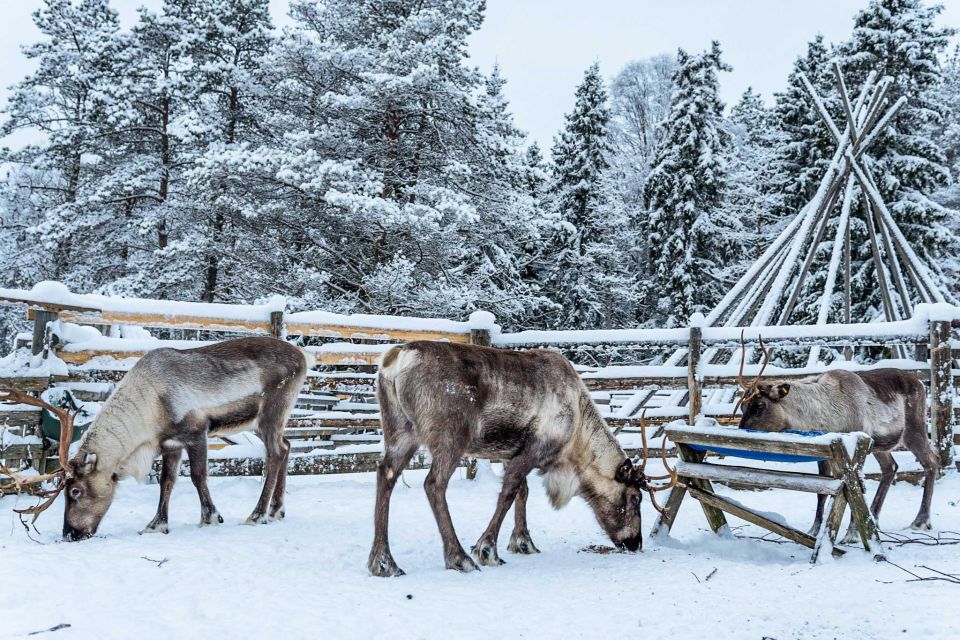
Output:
x=66 y=437
x=671 y=473
x=748 y=391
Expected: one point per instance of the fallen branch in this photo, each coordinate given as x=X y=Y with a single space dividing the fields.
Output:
x=159 y=563
x=940 y=575
x=58 y=627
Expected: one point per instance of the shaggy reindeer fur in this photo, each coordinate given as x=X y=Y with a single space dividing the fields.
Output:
x=527 y=408
x=887 y=404
x=173 y=400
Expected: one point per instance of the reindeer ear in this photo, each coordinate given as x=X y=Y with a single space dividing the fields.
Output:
x=781 y=391
x=88 y=465
x=624 y=472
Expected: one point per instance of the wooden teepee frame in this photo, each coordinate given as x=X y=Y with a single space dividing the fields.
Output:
x=780 y=272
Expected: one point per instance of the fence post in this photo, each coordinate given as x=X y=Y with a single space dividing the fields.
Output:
x=482 y=325
x=41 y=318
x=941 y=388
x=694 y=348
x=276 y=324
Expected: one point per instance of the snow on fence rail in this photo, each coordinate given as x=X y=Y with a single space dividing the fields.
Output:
x=67 y=329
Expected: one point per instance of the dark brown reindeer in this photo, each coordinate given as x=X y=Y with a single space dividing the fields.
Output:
x=170 y=401
x=887 y=404
x=527 y=408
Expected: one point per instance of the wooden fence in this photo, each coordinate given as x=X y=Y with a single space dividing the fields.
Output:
x=336 y=419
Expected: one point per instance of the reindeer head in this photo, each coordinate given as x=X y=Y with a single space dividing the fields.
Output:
x=764 y=410
x=89 y=494
x=751 y=395
x=618 y=507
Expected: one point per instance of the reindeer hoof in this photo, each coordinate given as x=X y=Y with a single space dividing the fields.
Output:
x=851 y=537
x=257 y=518
x=522 y=544
x=463 y=564
x=211 y=519
x=921 y=525
x=278 y=515
x=486 y=554
x=156 y=527
x=383 y=566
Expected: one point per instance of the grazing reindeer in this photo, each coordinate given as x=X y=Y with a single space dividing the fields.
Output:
x=887 y=404
x=528 y=408
x=173 y=400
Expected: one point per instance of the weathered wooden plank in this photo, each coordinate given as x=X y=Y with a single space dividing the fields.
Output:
x=753 y=517
x=161 y=321
x=305 y=465
x=27 y=384
x=767 y=478
x=737 y=441
x=371 y=333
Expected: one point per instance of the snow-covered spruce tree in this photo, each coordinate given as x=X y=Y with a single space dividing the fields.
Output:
x=51 y=202
x=686 y=231
x=948 y=135
x=806 y=146
x=900 y=39
x=753 y=195
x=585 y=277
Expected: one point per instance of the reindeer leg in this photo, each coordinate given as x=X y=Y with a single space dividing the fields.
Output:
x=444 y=464
x=168 y=476
x=520 y=541
x=916 y=440
x=395 y=460
x=276 y=507
x=273 y=419
x=197 y=453
x=888 y=472
x=485 y=551
x=823 y=468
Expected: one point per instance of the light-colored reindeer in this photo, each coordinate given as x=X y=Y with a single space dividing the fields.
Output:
x=527 y=408
x=887 y=404
x=170 y=401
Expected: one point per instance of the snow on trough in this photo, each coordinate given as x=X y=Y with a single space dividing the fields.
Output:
x=306 y=576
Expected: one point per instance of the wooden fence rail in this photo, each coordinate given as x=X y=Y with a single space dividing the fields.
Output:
x=352 y=345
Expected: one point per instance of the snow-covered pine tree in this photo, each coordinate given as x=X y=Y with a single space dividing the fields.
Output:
x=900 y=39
x=687 y=233
x=51 y=199
x=586 y=278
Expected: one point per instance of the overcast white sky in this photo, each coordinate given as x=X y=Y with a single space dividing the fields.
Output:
x=543 y=46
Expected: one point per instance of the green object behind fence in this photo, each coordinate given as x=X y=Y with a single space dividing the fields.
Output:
x=51 y=424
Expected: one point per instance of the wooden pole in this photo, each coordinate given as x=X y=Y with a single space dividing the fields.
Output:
x=847 y=351
x=941 y=391
x=276 y=324
x=479 y=336
x=41 y=318
x=824 y=211
x=694 y=389
x=878 y=263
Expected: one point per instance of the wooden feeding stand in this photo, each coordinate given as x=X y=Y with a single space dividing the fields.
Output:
x=845 y=454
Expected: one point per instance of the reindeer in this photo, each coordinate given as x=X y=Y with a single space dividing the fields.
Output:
x=887 y=404
x=172 y=400
x=527 y=408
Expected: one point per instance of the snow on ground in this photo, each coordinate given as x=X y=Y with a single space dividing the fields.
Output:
x=307 y=577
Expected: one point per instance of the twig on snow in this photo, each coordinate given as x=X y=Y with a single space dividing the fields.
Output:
x=62 y=625
x=160 y=563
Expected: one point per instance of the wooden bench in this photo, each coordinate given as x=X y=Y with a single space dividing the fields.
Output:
x=844 y=453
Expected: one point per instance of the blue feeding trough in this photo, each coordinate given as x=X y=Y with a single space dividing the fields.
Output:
x=759 y=455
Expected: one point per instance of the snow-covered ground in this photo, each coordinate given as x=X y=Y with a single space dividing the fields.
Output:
x=306 y=576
